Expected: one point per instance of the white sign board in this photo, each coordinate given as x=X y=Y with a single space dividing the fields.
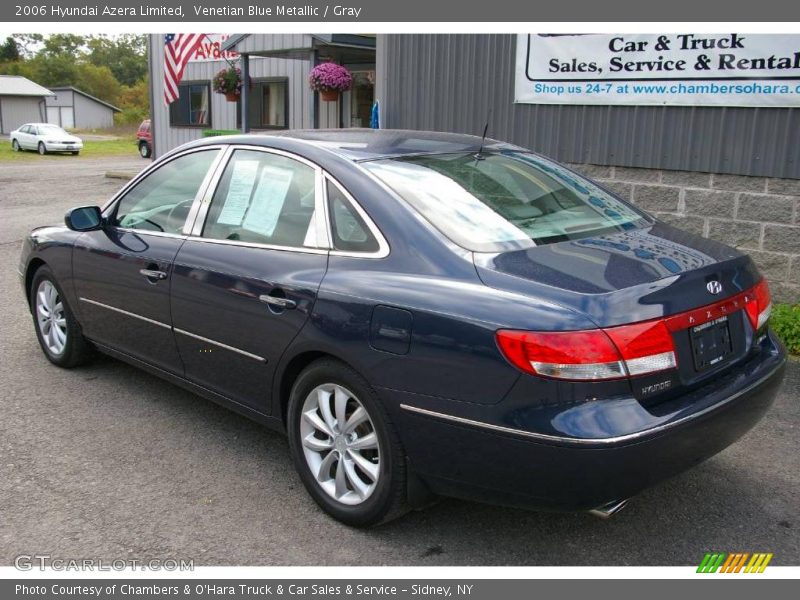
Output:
x=691 y=69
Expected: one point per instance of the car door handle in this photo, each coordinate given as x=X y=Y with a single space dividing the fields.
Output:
x=153 y=274
x=278 y=302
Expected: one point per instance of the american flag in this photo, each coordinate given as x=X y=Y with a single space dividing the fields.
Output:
x=178 y=49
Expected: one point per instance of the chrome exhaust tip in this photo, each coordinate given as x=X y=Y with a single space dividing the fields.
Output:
x=609 y=510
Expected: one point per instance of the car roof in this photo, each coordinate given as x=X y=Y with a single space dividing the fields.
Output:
x=370 y=144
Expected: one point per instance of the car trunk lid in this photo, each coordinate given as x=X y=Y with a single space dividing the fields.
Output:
x=643 y=274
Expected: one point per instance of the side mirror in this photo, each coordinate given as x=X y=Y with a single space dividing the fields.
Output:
x=84 y=218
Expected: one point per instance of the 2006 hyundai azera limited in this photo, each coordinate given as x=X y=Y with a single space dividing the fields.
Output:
x=422 y=313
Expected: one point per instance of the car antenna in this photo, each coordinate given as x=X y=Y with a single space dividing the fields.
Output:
x=479 y=154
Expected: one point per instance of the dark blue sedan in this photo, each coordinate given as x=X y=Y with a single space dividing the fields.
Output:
x=422 y=313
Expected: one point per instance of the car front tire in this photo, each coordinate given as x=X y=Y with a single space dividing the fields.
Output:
x=15 y=145
x=144 y=150
x=344 y=446
x=57 y=330
x=42 y=149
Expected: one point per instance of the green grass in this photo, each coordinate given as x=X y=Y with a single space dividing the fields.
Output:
x=785 y=321
x=125 y=146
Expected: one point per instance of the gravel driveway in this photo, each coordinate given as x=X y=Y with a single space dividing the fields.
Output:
x=107 y=461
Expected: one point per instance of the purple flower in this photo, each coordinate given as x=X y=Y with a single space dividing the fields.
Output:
x=330 y=76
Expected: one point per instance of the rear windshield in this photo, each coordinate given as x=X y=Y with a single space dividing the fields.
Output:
x=504 y=201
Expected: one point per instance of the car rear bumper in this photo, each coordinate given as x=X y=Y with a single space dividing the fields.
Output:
x=485 y=461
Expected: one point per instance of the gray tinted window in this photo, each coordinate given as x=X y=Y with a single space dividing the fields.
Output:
x=161 y=201
x=350 y=233
x=264 y=198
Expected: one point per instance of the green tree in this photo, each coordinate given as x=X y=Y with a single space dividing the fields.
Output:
x=9 y=51
x=97 y=81
x=63 y=44
x=137 y=95
x=28 y=43
x=124 y=54
x=53 y=70
x=134 y=100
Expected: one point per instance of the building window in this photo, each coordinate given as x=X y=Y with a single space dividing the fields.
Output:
x=193 y=106
x=362 y=95
x=268 y=105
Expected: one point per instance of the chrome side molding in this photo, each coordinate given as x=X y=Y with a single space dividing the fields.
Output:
x=125 y=312
x=175 y=329
x=630 y=437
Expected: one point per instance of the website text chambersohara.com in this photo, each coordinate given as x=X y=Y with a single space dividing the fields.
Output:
x=198 y=10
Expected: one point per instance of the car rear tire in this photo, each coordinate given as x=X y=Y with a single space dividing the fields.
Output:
x=356 y=472
x=15 y=146
x=42 y=148
x=57 y=330
x=144 y=150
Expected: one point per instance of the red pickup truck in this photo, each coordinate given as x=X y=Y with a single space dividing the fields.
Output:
x=144 y=139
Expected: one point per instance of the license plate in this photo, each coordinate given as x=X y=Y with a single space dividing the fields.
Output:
x=711 y=343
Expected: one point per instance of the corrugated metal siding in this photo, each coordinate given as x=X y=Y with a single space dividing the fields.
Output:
x=266 y=42
x=451 y=82
x=18 y=110
x=223 y=113
x=61 y=98
x=90 y=114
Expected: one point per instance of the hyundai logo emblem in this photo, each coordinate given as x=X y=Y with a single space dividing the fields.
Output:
x=714 y=287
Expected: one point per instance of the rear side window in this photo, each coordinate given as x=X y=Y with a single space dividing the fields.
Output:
x=161 y=201
x=504 y=201
x=264 y=198
x=350 y=232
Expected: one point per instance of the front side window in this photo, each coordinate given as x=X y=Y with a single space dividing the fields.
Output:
x=161 y=201
x=264 y=198
x=504 y=201
x=193 y=106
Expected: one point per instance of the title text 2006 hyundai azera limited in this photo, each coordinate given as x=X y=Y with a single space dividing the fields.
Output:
x=422 y=313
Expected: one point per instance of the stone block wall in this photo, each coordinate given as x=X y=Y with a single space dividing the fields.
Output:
x=759 y=215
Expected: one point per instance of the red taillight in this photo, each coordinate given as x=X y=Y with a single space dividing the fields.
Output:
x=563 y=354
x=591 y=355
x=627 y=350
x=759 y=305
x=645 y=347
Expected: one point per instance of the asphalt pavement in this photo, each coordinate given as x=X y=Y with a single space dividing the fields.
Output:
x=109 y=462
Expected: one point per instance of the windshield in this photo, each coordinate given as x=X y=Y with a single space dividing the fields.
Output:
x=51 y=129
x=504 y=201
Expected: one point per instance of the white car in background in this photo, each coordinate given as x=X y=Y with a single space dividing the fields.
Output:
x=44 y=138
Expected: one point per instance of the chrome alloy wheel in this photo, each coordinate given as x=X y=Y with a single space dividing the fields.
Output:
x=340 y=444
x=50 y=318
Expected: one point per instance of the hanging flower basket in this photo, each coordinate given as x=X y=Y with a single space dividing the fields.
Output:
x=329 y=95
x=229 y=82
x=330 y=79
